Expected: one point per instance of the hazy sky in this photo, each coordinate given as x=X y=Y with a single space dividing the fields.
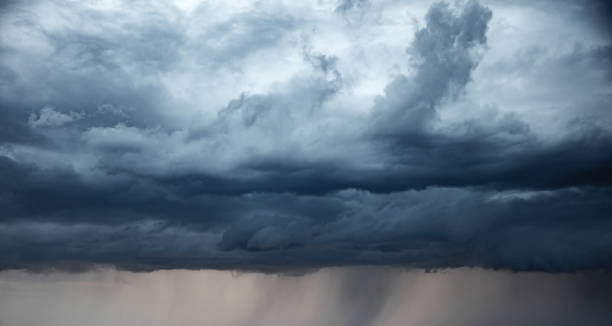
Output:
x=280 y=136
x=357 y=296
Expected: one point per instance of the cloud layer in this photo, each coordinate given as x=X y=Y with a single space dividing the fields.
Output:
x=282 y=136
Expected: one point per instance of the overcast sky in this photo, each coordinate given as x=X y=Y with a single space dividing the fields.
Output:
x=289 y=136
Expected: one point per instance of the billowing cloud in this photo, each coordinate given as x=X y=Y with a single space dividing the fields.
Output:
x=48 y=117
x=282 y=136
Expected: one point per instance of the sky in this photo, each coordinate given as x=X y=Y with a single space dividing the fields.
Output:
x=305 y=138
x=347 y=296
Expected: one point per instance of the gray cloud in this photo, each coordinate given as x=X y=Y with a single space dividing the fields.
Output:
x=346 y=5
x=242 y=36
x=444 y=51
x=48 y=117
x=119 y=157
x=287 y=232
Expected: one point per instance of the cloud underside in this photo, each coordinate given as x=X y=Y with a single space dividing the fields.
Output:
x=97 y=166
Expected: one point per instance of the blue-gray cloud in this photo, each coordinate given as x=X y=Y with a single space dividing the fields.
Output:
x=103 y=161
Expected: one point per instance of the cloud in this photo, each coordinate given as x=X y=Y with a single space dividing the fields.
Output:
x=445 y=52
x=247 y=140
x=48 y=117
x=564 y=230
x=346 y=5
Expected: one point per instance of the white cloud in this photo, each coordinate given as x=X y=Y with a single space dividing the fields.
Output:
x=49 y=117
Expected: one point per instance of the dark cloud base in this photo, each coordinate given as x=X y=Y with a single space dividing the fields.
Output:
x=563 y=230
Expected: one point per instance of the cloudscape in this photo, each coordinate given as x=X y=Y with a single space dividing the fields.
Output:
x=291 y=137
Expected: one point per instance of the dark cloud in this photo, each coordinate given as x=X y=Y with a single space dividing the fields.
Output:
x=101 y=166
x=596 y=13
x=445 y=54
x=346 y=5
x=562 y=230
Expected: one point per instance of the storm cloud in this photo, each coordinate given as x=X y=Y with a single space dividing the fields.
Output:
x=290 y=137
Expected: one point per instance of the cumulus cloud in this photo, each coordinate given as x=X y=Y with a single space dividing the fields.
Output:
x=445 y=54
x=257 y=139
x=48 y=117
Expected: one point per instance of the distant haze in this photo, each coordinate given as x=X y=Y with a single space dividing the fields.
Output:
x=356 y=296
